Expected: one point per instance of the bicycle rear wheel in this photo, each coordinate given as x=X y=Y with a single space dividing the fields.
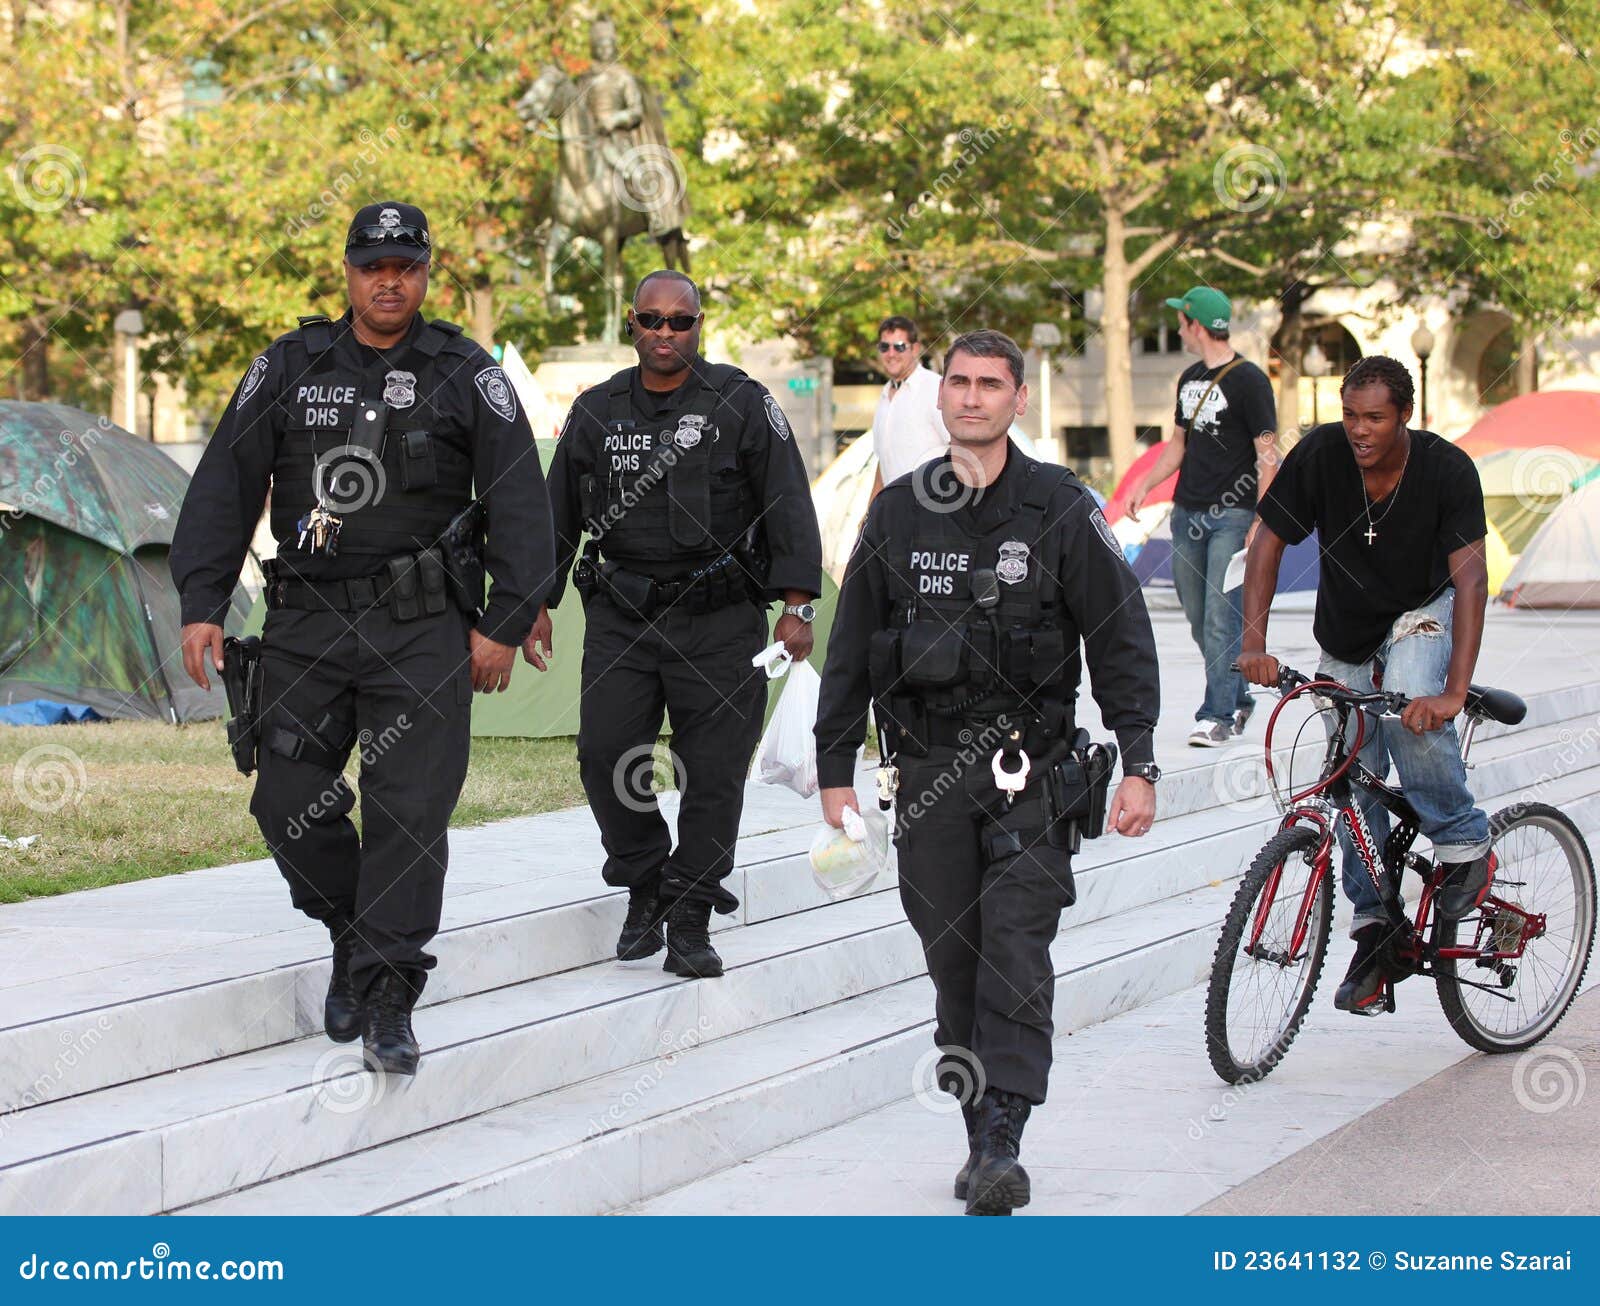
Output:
x=1258 y=997
x=1545 y=869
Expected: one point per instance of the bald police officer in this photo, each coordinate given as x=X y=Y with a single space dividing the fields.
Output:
x=373 y=432
x=977 y=579
x=686 y=479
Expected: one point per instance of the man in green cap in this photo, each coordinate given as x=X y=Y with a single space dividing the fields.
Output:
x=1224 y=448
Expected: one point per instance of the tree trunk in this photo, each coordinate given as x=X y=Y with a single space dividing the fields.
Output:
x=1291 y=349
x=1527 y=366
x=1118 y=345
x=33 y=371
x=480 y=304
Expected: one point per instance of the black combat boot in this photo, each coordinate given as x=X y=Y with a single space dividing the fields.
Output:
x=341 y=1009
x=689 y=950
x=387 y=1040
x=969 y=1113
x=997 y=1183
x=641 y=931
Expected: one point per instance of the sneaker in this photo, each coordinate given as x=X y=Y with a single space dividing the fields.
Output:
x=1241 y=717
x=1362 y=991
x=1210 y=734
x=1464 y=886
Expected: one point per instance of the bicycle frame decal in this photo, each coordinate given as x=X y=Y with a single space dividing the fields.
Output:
x=1366 y=847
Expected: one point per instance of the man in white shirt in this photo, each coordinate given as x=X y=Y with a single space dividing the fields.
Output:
x=906 y=429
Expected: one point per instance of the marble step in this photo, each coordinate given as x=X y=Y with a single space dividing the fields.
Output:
x=702 y=1106
x=75 y=1034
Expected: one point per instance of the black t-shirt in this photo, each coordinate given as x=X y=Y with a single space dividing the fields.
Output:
x=1219 y=455
x=1436 y=509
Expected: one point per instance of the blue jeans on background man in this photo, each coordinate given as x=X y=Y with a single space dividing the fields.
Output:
x=1202 y=543
x=1414 y=660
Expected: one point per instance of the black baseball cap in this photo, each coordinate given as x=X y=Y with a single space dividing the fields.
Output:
x=388 y=229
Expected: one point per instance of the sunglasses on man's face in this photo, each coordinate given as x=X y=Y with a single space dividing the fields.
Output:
x=679 y=322
x=899 y=346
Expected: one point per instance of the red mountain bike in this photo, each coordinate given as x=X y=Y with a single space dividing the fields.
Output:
x=1505 y=974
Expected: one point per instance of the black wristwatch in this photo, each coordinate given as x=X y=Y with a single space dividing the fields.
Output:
x=1144 y=770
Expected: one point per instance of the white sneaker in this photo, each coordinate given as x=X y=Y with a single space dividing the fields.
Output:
x=1210 y=734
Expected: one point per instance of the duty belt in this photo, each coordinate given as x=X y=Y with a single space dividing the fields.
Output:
x=411 y=585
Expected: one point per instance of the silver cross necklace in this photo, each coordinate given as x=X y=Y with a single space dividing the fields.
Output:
x=1371 y=532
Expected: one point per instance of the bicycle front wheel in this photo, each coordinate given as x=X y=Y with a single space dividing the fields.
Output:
x=1544 y=870
x=1262 y=979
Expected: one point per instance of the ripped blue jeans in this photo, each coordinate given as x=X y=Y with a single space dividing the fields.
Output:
x=1414 y=660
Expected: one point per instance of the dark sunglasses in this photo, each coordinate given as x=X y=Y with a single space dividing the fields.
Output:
x=679 y=322
x=899 y=346
x=369 y=236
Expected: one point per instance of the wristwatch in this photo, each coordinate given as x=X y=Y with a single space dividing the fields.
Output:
x=1144 y=770
x=804 y=611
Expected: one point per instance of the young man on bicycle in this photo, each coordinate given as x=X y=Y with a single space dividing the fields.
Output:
x=1399 y=516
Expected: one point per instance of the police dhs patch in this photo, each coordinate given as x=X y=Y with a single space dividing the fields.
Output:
x=252 y=380
x=497 y=393
x=400 y=389
x=1013 y=564
x=780 y=423
x=691 y=427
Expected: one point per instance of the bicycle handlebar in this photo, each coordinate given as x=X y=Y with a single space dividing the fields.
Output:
x=1388 y=703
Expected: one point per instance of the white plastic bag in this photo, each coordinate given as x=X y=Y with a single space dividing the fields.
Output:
x=788 y=752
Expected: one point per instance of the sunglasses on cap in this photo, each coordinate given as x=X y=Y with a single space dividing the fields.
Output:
x=679 y=322
x=366 y=237
x=899 y=346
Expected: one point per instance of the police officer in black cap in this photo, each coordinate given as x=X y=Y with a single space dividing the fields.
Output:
x=400 y=465
x=977 y=580
x=686 y=479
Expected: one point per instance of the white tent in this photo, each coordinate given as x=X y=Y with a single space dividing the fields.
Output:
x=1560 y=567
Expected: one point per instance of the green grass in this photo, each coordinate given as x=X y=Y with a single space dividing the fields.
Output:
x=133 y=800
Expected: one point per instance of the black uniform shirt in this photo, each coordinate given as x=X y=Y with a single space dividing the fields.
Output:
x=229 y=487
x=785 y=515
x=1101 y=604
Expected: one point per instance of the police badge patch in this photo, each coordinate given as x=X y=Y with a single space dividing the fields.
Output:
x=691 y=426
x=252 y=380
x=1013 y=564
x=400 y=389
x=496 y=390
x=780 y=423
x=1104 y=528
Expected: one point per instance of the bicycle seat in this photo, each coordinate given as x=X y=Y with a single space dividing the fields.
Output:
x=1497 y=704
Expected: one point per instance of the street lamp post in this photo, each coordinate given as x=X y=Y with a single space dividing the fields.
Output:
x=1422 y=346
x=1314 y=363
x=128 y=326
x=1045 y=337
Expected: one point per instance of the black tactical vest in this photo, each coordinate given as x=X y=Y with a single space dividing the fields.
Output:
x=397 y=502
x=670 y=487
x=943 y=655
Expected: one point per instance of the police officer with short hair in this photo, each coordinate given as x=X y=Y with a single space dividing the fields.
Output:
x=374 y=433
x=976 y=579
x=686 y=479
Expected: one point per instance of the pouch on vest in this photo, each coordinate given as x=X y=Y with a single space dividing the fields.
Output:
x=932 y=655
x=688 y=500
x=883 y=660
x=632 y=592
x=418 y=468
x=405 y=603
x=432 y=585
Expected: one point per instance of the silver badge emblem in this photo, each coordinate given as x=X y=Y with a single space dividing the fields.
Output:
x=496 y=390
x=1013 y=564
x=400 y=389
x=691 y=427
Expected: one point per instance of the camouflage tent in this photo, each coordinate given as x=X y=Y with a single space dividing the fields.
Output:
x=88 y=612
